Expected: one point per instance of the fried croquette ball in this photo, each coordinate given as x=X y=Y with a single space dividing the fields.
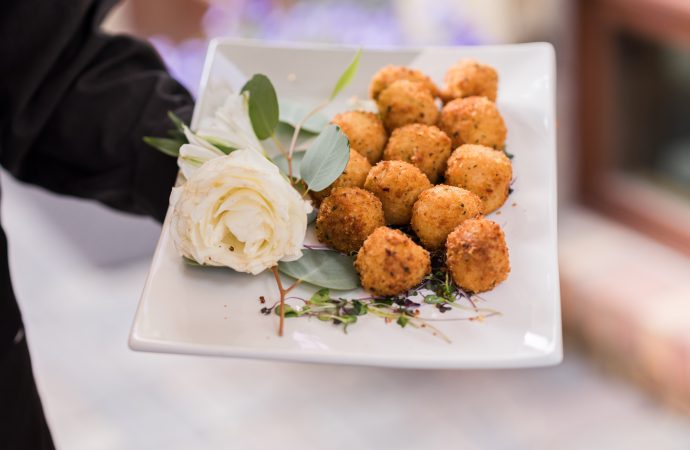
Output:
x=439 y=210
x=468 y=78
x=424 y=146
x=397 y=184
x=389 y=74
x=474 y=120
x=477 y=255
x=482 y=170
x=347 y=217
x=390 y=263
x=365 y=132
x=354 y=175
x=405 y=102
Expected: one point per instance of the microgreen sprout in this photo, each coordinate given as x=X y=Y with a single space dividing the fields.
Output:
x=437 y=289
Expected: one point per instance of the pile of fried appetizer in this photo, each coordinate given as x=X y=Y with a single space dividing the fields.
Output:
x=434 y=173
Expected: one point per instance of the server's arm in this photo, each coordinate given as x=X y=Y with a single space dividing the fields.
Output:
x=75 y=104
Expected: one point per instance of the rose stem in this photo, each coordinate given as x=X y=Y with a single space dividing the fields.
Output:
x=283 y=292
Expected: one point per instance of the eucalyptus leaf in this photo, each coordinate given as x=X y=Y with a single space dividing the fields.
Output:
x=347 y=76
x=263 y=105
x=292 y=112
x=284 y=132
x=281 y=162
x=170 y=147
x=325 y=159
x=323 y=268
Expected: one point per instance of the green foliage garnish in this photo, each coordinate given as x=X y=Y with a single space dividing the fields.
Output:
x=342 y=311
x=289 y=311
x=168 y=146
x=433 y=299
x=282 y=163
x=171 y=145
x=347 y=76
x=358 y=308
x=320 y=297
x=178 y=131
x=437 y=289
x=291 y=113
x=317 y=174
x=263 y=105
x=325 y=159
x=323 y=268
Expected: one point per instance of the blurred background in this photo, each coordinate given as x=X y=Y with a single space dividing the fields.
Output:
x=624 y=232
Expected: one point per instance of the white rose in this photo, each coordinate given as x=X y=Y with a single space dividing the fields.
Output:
x=231 y=125
x=194 y=154
x=239 y=211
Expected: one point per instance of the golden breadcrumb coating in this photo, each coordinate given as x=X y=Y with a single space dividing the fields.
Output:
x=390 y=263
x=365 y=132
x=482 y=170
x=389 y=74
x=477 y=255
x=474 y=120
x=439 y=210
x=347 y=217
x=424 y=146
x=468 y=78
x=397 y=184
x=354 y=175
x=405 y=102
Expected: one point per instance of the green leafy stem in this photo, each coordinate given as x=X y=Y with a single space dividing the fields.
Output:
x=345 y=79
x=437 y=289
x=322 y=163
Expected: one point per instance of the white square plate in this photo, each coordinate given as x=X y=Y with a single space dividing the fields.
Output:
x=204 y=311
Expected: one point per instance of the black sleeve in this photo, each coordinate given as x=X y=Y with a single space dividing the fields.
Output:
x=75 y=104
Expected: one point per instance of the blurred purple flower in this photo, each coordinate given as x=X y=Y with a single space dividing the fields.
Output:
x=358 y=23
x=184 y=61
